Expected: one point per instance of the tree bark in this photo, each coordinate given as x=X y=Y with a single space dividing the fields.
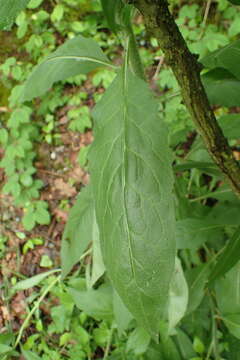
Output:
x=160 y=23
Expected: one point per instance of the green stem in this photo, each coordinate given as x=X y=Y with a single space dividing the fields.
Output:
x=35 y=307
x=160 y=22
x=107 y=350
x=134 y=55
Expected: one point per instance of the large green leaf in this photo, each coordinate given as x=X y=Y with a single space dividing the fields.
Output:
x=79 y=230
x=75 y=56
x=227 y=57
x=228 y=258
x=222 y=87
x=9 y=10
x=132 y=179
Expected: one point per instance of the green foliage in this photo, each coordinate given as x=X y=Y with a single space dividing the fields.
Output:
x=9 y=11
x=125 y=220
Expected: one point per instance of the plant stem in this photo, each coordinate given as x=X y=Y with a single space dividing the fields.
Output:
x=106 y=353
x=209 y=2
x=35 y=307
x=160 y=22
x=134 y=56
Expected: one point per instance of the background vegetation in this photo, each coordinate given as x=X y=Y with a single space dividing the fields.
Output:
x=43 y=147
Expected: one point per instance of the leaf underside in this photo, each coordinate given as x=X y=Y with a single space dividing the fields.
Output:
x=132 y=181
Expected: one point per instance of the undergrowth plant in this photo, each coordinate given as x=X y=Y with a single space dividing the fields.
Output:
x=161 y=227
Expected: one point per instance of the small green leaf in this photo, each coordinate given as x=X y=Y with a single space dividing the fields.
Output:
x=32 y=281
x=33 y=4
x=82 y=156
x=26 y=180
x=101 y=336
x=75 y=56
x=46 y=261
x=65 y=339
x=198 y=345
x=28 y=220
x=41 y=214
x=57 y=13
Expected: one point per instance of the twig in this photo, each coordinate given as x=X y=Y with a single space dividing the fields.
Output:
x=51 y=173
x=160 y=22
x=160 y=64
x=206 y=13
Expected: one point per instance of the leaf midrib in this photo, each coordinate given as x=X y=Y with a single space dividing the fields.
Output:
x=125 y=151
x=81 y=58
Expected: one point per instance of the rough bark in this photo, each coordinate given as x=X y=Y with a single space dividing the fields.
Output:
x=160 y=22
